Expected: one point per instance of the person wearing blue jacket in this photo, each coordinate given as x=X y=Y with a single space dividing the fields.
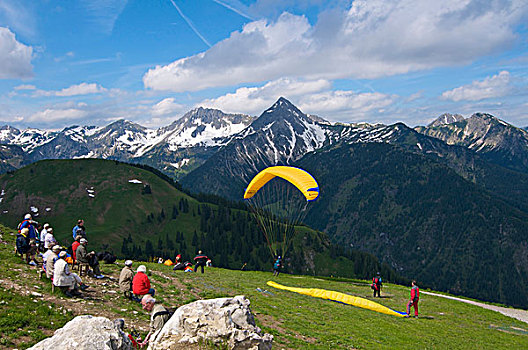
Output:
x=30 y=225
x=79 y=229
x=277 y=266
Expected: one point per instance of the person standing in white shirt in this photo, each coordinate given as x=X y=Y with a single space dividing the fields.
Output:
x=44 y=232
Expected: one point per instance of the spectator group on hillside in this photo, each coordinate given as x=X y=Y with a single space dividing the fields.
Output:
x=57 y=262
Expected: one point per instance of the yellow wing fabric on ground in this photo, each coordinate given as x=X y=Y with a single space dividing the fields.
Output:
x=340 y=298
x=298 y=177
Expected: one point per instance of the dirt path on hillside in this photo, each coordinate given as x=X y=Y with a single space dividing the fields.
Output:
x=519 y=314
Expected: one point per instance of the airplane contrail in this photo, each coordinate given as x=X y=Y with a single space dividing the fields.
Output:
x=190 y=23
x=229 y=7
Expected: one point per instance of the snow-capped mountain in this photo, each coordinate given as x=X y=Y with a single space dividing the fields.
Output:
x=493 y=138
x=203 y=127
x=199 y=131
x=238 y=145
x=281 y=135
x=191 y=140
x=8 y=133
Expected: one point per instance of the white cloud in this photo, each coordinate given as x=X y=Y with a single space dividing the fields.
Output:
x=51 y=115
x=166 y=106
x=25 y=87
x=314 y=97
x=15 y=57
x=372 y=39
x=494 y=86
x=349 y=104
x=260 y=50
x=254 y=100
x=74 y=90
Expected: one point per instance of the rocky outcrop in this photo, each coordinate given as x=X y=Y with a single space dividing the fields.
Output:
x=224 y=321
x=87 y=333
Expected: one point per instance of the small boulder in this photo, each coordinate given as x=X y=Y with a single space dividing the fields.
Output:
x=87 y=333
x=226 y=321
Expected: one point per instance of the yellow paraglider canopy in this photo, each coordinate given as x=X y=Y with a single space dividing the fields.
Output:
x=340 y=298
x=298 y=177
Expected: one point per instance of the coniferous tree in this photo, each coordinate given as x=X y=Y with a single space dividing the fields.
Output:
x=170 y=242
x=194 y=240
x=124 y=248
x=149 y=249
x=146 y=189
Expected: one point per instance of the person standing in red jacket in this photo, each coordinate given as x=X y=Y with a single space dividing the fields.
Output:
x=415 y=297
x=141 y=282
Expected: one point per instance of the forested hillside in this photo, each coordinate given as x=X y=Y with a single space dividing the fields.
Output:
x=422 y=218
x=139 y=213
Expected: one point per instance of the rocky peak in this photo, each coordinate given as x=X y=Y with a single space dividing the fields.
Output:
x=446 y=118
x=488 y=119
x=215 y=117
x=118 y=129
x=498 y=141
x=283 y=118
x=123 y=124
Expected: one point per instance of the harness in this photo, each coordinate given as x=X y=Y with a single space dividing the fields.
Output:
x=162 y=313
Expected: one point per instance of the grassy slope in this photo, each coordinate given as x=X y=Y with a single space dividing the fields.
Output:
x=117 y=208
x=296 y=321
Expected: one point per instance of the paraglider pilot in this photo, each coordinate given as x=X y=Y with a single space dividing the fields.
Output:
x=277 y=266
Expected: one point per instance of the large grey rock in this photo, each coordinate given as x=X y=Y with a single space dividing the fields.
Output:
x=87 y=333
x=226 y=321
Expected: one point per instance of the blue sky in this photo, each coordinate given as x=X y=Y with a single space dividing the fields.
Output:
x=90 y=62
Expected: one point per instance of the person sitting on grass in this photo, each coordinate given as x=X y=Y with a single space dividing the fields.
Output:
x=125 y=279
x=84 y=257
x=50 y=260
x=158 y=317
x=63 y=277
x=76 y=243
x=50 y=240
x=141 y=283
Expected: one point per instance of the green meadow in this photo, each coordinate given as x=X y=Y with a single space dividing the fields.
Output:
x=296 y=321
